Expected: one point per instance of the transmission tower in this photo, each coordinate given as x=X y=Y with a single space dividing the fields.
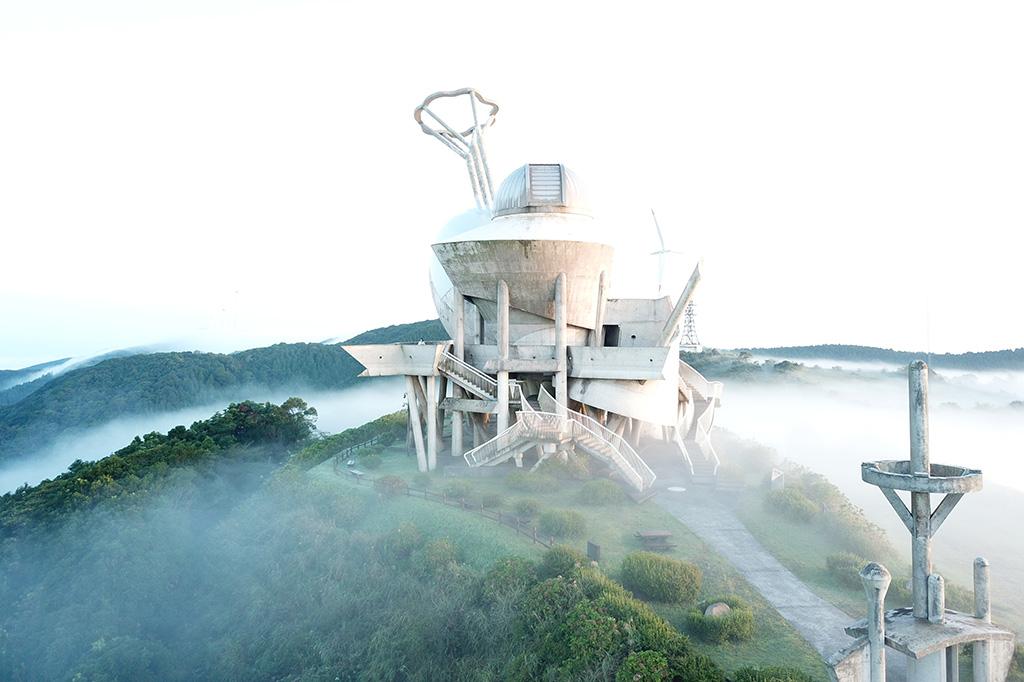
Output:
x=689 y=341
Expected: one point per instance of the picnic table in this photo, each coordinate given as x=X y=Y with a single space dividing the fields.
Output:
x=655 y=540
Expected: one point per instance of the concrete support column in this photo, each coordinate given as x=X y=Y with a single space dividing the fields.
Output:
x=983 y=611
x=597 y=336
x=431 y=422
x=460 y=353
x=876 y=581
x=921 y=507
x=503 y=343
x=414 y=421
x=561 y=348
x=936 y=598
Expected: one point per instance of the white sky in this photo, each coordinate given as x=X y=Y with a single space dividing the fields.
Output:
x=224 y=174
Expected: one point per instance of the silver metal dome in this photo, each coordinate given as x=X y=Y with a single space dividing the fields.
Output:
x=540 y=188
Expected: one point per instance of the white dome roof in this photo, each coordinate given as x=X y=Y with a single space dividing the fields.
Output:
x=540 y=188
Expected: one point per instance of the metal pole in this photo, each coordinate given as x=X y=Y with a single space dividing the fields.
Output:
x=876 y=581
x=921 y=507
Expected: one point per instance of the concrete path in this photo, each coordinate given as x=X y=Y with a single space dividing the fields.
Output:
x=818 y=621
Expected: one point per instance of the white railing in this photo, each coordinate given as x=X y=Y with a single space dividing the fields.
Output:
x=530 y=425
x=702 y=433
x=696 y=380
x=460 y=369
x=627 y=456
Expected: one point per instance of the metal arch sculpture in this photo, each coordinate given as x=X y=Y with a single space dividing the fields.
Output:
x=469 y=143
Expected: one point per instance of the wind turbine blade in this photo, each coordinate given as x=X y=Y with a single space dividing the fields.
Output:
x=657 y=227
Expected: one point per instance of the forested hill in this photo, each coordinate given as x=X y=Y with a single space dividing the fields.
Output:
x=985 y=360
x=169 y=381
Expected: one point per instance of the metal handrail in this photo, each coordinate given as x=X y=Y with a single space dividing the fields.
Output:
x=486 y=379
x=617 y=442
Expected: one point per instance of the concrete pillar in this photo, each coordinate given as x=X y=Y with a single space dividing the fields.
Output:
x=431 y=422
x=414 y=422
x=597 y=336
x=936 y=598
x=921 y=507
x=561 y=349
x=876 y=581
x=503 y=341
x=480 y=324
x=953 y=663
x=460 y=353
x=931 y=668
x=983 y=611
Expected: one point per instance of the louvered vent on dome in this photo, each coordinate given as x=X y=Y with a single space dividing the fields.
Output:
x=540 y=188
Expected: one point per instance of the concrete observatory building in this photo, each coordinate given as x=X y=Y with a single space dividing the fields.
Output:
x=541 y=361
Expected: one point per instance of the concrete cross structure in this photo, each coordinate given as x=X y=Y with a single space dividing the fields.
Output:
x=928 y=634
x=542 y=358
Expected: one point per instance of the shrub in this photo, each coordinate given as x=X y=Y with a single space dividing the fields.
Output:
x=439 y=556
x=507 y=578
x=845 y=568
x=398 y=545
x=601 y=491
x=390 y=485
x=532 y=483
x=562 y=523
x=371 y=461
x=660 y=578
x=560 y=560
x=736 y=626
x=492 y=500
x=771 y=674
x=791 y=503
x=526 y=509
x=643 y=666
x=458 y=490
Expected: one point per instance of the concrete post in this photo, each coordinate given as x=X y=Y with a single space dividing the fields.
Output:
x=668 y=332
x=983 y=611
x=876 y=581
x=561 y=349
x=431 y=422
x=414 y=422
x=921 y=508
x=460 y=352
x=502 y=299
x=597 y=336
x=936 y=598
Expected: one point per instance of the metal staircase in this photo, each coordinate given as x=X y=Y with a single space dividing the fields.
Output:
x=704 y=396
x=535 y=427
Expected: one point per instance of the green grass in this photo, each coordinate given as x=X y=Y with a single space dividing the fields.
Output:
x=803 y=548
x=612 y=527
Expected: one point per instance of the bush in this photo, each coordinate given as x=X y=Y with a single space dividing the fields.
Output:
x=508 y=578
x=458 y=490
x=526 y=509
x=660 y=578
x=735 y=626
x=845 y=568
x=562 y=523
x=532 y=483
x=439 y=557
x=600 y=492
x=643 y=666
x=792 y=504
x=371 y=461
x=560 y=560
x=390 y=485
x=771 y=674
x=398 y=545
x=492 y=500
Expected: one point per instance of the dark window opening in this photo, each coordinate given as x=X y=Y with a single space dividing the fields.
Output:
x=611 y=335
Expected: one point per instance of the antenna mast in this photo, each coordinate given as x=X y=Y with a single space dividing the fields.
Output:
x=469 y=144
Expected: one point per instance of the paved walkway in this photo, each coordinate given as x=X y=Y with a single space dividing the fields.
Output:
x=818 y=621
